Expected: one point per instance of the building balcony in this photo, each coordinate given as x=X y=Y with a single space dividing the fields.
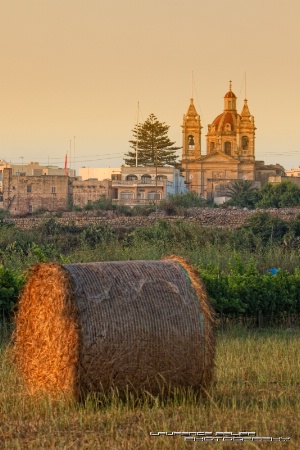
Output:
x=135 y=201
x=134 y=183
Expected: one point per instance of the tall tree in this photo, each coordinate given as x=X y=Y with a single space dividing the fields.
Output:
x=281 y=195
x=152 y=143
x=243 y=193
x=237 y=187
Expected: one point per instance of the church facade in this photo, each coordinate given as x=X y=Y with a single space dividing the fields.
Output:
x=230 y=149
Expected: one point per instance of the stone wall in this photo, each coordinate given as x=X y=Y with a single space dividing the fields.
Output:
x=205 y=216
x=85 y=192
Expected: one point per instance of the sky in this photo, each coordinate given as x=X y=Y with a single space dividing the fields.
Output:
x=77 y=75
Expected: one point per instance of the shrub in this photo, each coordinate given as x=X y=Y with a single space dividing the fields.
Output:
x=187 y=200
x=267 y=228
x=11 y=283
x=244 y=291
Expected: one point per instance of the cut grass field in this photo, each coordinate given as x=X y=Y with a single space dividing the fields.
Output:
x=256 y=388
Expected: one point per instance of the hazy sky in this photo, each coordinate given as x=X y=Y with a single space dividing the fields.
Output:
x=79 y=68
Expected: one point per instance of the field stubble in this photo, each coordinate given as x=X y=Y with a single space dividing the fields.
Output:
x=256 y=388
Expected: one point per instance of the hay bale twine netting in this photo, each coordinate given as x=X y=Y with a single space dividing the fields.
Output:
x=128 y=324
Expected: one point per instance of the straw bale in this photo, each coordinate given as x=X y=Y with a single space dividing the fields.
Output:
x=46 y=333
x=137 y=325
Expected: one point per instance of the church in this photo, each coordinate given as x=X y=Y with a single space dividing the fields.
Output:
x=230 y=150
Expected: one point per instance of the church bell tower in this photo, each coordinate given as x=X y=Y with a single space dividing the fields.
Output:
x=191 y=147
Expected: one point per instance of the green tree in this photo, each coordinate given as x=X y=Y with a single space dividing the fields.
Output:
x=154 y=145
x=281 y=195
x=243 y=193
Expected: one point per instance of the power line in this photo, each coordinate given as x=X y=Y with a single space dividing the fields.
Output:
x=83 y=161
x=87 y=156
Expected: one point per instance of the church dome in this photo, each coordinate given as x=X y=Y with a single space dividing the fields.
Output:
x=230 y=94
x=225 y=122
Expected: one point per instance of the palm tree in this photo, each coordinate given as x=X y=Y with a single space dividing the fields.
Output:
x=243 y=193
x=238 y=187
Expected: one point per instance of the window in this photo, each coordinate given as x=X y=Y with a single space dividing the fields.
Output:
x=145 y=178
x=53 y=189
x=161 y=177
x=191 y=142
x=126 y=195
x=212 y=146
x=153 y=195
x=29 y=188
x=131 y=177
x=30 y=208
x=227 y=148
x=245 y=142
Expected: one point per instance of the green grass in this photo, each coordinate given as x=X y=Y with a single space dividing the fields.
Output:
x=256 y=388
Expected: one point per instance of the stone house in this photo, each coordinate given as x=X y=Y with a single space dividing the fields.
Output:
x=145 y=184
x=21 y=194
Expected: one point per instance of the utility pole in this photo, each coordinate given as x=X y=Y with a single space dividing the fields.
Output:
x=137 y=137
x=156 y=183
x=70 y=172
x=74 y=159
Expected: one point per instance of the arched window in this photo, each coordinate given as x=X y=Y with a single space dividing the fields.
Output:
x=191 y=142
x=161 y=177
x=146 y=178
x=245 y=142
x=211 y=146
x=227 y=148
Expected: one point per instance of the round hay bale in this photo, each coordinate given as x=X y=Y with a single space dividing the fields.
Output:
x=137 y=325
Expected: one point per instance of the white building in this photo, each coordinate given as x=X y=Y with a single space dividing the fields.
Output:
x=34 y=169
x=95 y=173
x=293 y=172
